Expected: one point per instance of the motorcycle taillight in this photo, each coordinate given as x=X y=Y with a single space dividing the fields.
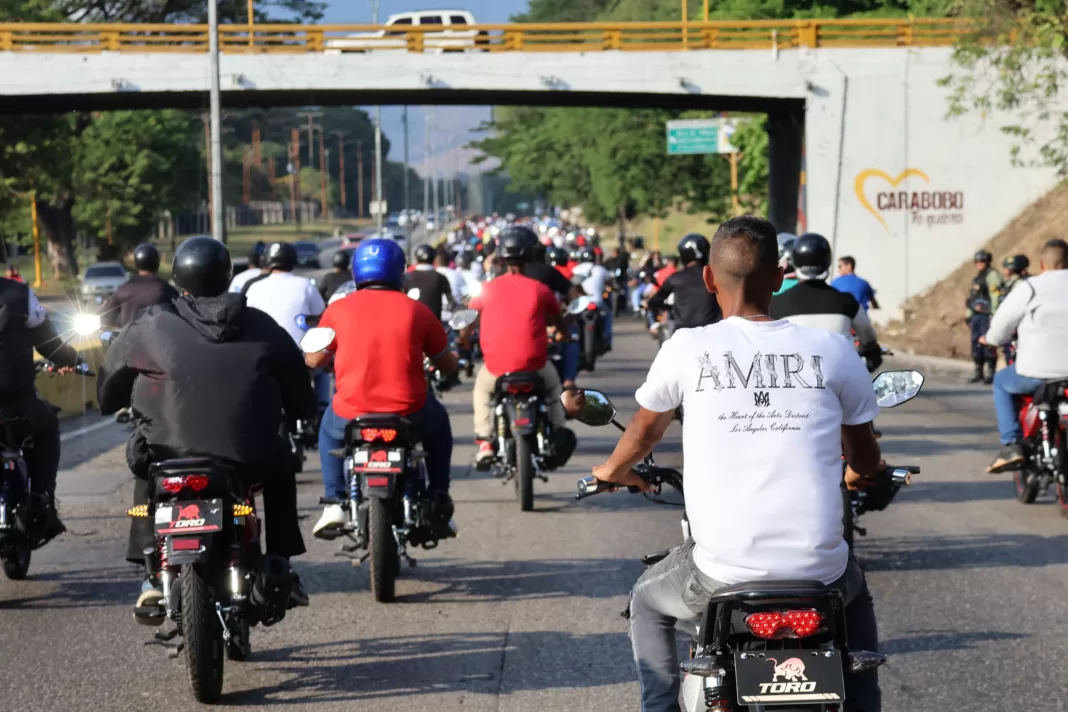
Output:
x=371 y=435
x=174 y=485
x=518 y=387
x=771 y=625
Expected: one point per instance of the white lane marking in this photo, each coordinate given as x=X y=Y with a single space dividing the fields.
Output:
x=71 y=434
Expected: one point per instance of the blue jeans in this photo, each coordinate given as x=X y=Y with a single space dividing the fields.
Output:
x=606 y=325
x=322 y=384
x=636 y=298
x=1008 y=383
x=432 y=424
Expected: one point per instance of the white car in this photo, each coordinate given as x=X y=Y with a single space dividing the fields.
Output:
x=454 y=35
x=102 y=279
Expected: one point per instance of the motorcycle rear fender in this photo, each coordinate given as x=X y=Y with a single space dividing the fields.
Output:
x=378 y=485
x=181 y=557
x=522 y=416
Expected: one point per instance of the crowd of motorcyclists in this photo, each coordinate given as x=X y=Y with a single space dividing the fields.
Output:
x=212 y=366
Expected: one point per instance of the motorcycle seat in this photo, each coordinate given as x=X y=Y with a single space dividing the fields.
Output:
x=531 y=380
x=794 y=587
x=190 y=463
x=1051 y=390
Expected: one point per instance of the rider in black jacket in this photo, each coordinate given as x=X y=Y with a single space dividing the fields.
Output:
x=332 y=280
x=433 y=286
x=694 y=304
x=207 y=375
x=24 y=326
x=142 y=290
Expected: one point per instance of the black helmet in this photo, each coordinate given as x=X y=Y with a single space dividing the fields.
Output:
x=517 y=244
x=694 y=248
x=811 y=255
x=281 y=255
x=1017 y=263
x=464 y=259
x=202 y=267
x=341 y=259
x=983 y=256
x=424 y=254
x=146 y=258
x=558 y=256
x=584 y=254
x=539 y=254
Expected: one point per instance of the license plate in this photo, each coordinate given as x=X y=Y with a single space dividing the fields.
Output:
x=784 y=677
x=386 y=460
x=196 y=517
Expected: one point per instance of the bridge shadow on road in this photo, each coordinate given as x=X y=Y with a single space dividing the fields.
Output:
x=943 y=640
x=922 y=553
x=481 y=663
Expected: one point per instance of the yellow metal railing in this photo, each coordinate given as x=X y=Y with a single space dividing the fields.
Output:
x=555 y=37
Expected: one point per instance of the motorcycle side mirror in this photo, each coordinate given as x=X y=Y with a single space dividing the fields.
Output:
x=317 y=339
x=463 y=319
x=893 y=388
x=579 y=305
x=414 y=293
x=307 y=321
x=106 y=337
x=588 y=406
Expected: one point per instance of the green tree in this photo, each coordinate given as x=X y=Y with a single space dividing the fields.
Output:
x=1013 y=66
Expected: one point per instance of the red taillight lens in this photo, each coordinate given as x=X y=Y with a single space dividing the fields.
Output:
x=519 y=387
x=377 y=481
x=784 y=624
x=370 y=435
x=174 y=485
x=591 y=307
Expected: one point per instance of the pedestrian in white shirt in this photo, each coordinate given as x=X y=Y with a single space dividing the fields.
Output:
x=1037 y=311
x=770 y=408
x=238 y=282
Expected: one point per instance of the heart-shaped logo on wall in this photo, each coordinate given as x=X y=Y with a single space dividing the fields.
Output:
x=862 y=179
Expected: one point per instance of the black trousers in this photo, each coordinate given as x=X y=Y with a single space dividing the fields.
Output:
x=981 y=354
x=279 y=502
x=34 y=422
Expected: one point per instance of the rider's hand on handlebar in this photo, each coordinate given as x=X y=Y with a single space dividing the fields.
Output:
x=65 y=370
x=630 y=478
x=855 y=481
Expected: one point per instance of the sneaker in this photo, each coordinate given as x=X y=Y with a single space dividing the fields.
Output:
x=298 y=597
x=53 y=527
x=485 y=455
x=978 y=376
x=330 y=524
x=1010 y=457
x=149 y=607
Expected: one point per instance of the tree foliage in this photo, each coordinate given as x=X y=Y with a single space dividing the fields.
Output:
x=1014 y=67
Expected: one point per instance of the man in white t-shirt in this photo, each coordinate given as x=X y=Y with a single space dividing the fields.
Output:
x=770 y=408
x=237 y=284
x=285 y=296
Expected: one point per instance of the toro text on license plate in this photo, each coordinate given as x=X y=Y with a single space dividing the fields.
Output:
x=787 y=677
x=195 y=517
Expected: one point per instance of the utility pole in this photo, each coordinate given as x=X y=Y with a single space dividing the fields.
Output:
x=378 y=138
x=359 y=179
x=294 y=174
x=426 y=169
x=322 y=174
x=341 y=168
x=246 y=174
x=257 y=157
x=311 y=115
x=216 y=124
x=407 y=191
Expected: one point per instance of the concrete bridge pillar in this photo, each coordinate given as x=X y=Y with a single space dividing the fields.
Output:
x=786 y=131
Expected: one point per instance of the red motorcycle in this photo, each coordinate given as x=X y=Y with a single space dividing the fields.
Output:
x=1044 y=423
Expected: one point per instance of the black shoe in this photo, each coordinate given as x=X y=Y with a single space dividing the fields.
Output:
x=978 y=377
x=53 y=527
x=149 y=607
x=298 y=597
x=1009 y=458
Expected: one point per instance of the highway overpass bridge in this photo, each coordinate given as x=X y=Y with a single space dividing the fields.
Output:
x=889 y=179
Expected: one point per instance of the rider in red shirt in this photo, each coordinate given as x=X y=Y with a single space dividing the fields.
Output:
x=559 y=258
x=515 y=313
x=378 y=364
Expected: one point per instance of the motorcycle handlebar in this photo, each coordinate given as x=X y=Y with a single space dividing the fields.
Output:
x=80 y=369
x=902 y=475
x=652 y=475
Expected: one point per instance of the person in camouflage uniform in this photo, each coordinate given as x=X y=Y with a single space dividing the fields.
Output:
x=984 y=294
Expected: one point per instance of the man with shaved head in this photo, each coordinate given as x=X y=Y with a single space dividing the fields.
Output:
x=1037 y=311
x=770 y=408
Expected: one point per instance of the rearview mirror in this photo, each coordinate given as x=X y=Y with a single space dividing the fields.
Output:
x=317 y=339
x=414 y=293
x=463 y=319
x=896 y=387
x=579 y=305
x=588 y=407
x=106 y=337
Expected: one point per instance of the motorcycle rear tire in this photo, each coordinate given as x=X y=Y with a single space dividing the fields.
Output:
x=1062 y=500
x=524 y=474
x=385 y=559
x=589 y=352
x=204 y=645
x=1026 y=492
x=17 y=562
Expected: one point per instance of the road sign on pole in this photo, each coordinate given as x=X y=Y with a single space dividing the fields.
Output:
x=691 y=136
x=378 y=207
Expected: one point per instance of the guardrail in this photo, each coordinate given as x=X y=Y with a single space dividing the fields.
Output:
x=554 y=37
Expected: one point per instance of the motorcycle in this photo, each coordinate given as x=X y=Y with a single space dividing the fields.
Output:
x=1043 y=417
x=745 y=625
x=23 y=514
x=590 y=331
x=388 y=505
x=301 y=434
x=207 y=560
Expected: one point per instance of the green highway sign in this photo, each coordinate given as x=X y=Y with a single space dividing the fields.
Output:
x=690 y=136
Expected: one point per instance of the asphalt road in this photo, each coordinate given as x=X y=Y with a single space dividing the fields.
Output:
x=521 y=612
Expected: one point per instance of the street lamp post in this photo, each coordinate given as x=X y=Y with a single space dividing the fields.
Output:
x=215 y=108
x=378 y=141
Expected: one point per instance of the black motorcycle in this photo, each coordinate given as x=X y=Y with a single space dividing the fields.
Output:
x=799 y=627
x=207 y=560
x=23 y=514
x=590 y=323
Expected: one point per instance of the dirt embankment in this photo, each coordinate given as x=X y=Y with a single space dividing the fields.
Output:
x=933 y=321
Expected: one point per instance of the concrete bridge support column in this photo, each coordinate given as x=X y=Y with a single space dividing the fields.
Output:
x=786 y=131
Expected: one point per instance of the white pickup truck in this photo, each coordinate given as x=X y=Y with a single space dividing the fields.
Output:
x=455 y=34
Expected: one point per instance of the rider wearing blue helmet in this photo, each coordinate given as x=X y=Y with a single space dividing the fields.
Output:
x=378 y=365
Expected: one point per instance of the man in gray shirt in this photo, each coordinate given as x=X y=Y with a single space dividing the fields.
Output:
x=1037 y=310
